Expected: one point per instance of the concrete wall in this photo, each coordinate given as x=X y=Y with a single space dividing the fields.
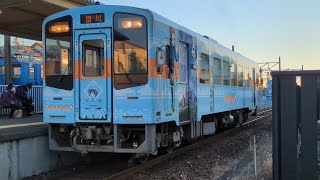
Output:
x=31 y=156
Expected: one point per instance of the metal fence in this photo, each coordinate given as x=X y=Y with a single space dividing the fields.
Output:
x=35 y=93
x=295 y=116
x=264 y=99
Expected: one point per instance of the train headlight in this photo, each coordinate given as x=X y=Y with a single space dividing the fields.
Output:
x=135 y=144
x=130 y=23
x=59 y=27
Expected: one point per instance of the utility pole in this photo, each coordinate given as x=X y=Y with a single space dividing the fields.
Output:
x=279 y=63
x=267 y=66
x=7 y=60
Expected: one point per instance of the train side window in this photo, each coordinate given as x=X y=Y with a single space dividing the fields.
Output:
x=41 y=75
x=183 y=64
x=251 y=80
x=226 y=73
x=240 y=76
x=1 y=69
x=217 y=71
x=16 y=72
x=204 y=69
x=246 y=77
x=159 y=66
x=257 y=80
x=234 y=75
x=31 y=73
x=163 y=55
x=93 y=56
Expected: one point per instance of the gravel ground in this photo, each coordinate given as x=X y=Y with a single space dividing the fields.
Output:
x=230 y=158
x=94 y=167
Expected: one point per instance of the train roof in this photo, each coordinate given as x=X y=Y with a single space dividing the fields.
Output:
x=206 y=39
x=197 y=35
x=155 y=16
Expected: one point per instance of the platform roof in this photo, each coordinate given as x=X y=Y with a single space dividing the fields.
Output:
x=23 y=18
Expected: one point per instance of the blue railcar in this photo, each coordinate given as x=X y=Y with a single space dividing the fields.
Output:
x=23 y=71
x=127 y=80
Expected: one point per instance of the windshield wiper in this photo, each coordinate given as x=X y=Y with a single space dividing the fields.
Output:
x=125 y=72
x=129 y=78
x=62 y=75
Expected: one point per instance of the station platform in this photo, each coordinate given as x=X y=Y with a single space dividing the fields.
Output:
x=22 y=128
x=24 y=148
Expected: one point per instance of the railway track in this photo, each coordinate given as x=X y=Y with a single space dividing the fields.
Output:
x=261 y=115
x=126 y=174
x=118 y=168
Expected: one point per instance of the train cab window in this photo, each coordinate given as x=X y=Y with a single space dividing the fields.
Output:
x=226 y=73
x=130 y=50
x=93 y=58
x=217 y=71
x=234 y=75
x=58 y=53
x=246 y=77
x=240 y=76
x=31 y=73
x=204 y=69
x=16 y=72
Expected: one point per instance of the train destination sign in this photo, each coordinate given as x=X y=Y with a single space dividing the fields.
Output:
x=92 y=18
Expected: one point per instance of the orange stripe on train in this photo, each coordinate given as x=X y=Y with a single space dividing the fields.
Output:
x=152 y=72
x=230 y=98
x=78 y=67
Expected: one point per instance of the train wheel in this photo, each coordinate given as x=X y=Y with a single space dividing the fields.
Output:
x=142 y=158
x=136 y=159
x=170 y=148
x=132 y=161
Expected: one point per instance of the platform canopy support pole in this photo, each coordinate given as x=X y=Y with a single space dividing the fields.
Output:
x=7 y=60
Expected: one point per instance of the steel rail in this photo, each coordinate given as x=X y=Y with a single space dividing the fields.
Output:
x=268 y=110
x=256 y=119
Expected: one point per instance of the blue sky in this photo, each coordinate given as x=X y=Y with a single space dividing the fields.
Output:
x=260 y=30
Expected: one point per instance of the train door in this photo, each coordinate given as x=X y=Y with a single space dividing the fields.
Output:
x=94 y=51
x=183 y=97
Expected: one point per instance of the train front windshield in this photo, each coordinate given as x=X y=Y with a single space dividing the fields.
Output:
x=129 y=47
x=58 y=53
x=130 y=50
